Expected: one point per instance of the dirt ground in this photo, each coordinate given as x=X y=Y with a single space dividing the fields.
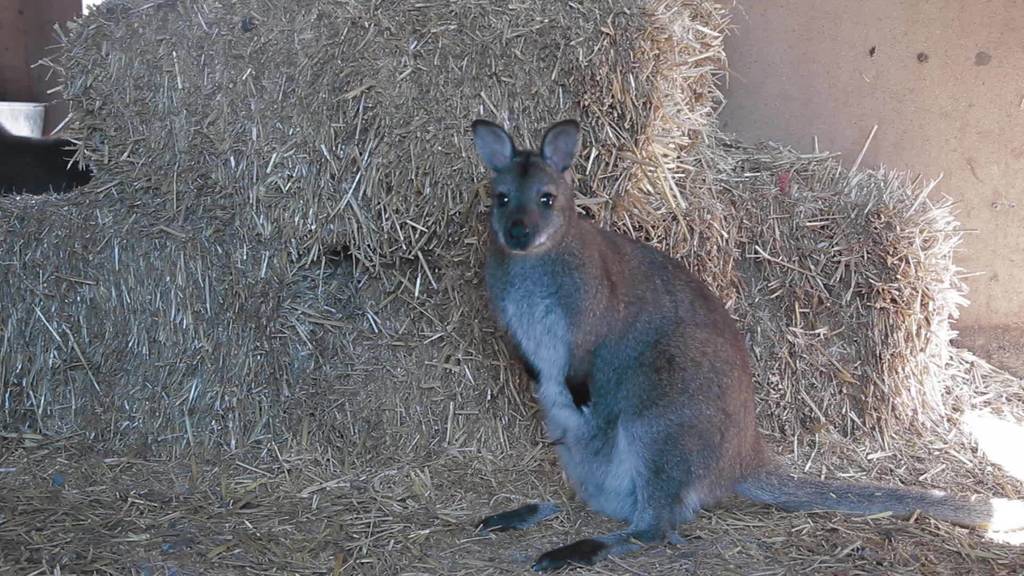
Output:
x=1002 y=346
x=944 y=84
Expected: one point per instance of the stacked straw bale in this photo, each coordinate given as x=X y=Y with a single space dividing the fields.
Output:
x=243 y=145
x=333 y=124
x=843 y=282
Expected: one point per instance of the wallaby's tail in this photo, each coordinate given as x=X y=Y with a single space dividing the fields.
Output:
x=802 y=494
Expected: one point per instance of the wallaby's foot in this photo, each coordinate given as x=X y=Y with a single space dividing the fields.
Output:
x=519 y=519
x=585 y=552
x=590 y=551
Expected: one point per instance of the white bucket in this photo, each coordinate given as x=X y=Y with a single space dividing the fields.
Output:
x=23 y=118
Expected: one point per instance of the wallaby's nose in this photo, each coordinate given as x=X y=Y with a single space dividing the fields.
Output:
x=518 y=231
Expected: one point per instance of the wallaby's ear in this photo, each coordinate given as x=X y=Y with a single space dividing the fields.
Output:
x=493 y=145
x=560 y=144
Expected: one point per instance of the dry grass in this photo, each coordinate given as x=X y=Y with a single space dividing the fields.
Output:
x=257 y=343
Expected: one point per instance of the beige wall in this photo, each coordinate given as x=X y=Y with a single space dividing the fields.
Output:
x=15 y=79
x=26 y=36
x=803 y=67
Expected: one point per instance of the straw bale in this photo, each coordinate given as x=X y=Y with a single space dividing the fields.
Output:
x=233 y=158
x=121 y=325
x=843 y=282
x=341 y=124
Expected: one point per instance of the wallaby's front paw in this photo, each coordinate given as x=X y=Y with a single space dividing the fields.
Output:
x=582 y=552
x=518 y=519
x=500 y=522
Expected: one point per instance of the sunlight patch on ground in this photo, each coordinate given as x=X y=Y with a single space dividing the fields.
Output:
x=1002 y=441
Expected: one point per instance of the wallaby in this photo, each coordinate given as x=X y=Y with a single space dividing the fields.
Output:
x=642 y=376
x=38 y=165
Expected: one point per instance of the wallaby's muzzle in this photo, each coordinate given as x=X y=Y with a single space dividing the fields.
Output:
x=517 y=235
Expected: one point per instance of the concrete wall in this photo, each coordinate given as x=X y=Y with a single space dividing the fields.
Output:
x=944 y=82
x=26 y=34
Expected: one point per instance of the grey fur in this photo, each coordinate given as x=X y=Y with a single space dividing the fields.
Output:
x=809 y=494
x=642 y=375
x=493 y=144
x=39 y=165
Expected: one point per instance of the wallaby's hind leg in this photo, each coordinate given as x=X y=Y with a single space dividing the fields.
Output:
x=590 y=551
x=659 y=481
x=519 y=519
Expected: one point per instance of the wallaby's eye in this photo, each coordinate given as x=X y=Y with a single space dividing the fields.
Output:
x=501 y=199
x=547 y=199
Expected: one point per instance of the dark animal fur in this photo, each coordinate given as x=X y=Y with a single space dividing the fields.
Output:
x=38 y=165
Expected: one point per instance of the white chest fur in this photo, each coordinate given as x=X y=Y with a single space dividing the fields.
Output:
x=540 y=328
x=602 y=469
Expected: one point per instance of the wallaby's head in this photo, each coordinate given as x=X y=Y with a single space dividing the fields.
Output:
x=533 y=199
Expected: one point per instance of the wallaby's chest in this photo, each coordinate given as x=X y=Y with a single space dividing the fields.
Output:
x=537 y=321
x=536 y=309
